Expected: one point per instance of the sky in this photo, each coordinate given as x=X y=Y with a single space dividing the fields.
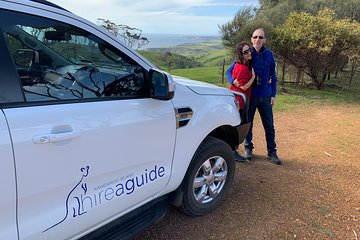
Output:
x=187 y=17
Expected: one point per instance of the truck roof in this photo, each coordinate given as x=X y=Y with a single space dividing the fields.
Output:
x=49 y=4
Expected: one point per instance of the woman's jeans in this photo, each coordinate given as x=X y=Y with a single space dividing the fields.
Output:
x=263 y=104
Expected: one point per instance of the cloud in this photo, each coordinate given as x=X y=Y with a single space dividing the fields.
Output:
x=200 y=17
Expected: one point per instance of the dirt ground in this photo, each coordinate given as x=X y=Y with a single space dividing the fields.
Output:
x=315 y=194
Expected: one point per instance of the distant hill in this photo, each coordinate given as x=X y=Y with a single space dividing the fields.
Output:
x=168 y=60
x=209 y=53
x=214 y=58
x=191 y=49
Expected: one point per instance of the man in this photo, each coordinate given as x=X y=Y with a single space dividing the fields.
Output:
x=262 y=94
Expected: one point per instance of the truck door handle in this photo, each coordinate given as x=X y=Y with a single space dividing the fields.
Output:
x=56 y=137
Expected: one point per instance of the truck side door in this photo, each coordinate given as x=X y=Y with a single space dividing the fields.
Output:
x=7 y=187
x=89 y=142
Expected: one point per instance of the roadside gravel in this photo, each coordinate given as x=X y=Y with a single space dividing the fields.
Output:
x=315 y=194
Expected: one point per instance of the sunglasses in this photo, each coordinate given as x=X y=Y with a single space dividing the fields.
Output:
x=247 y=51
x=260 y=37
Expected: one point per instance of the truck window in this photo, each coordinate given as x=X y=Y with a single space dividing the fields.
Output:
x=57 y=61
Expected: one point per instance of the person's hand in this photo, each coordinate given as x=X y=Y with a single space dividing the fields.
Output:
x=236 y=83
x=272 y=101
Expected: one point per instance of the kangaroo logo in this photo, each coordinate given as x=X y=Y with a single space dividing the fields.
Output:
x=76 y=211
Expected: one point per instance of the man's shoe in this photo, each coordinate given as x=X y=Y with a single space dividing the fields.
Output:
x=274 y=158
x=248 y=154
x=238 y=157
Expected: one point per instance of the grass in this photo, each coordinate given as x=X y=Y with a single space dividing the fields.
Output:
x=336 y=92
x=323 y=230
x=287 y=102
x=323 y=209
x=211 y=55
x=328 y=95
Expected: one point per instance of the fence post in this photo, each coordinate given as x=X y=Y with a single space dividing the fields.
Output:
x=222 y=72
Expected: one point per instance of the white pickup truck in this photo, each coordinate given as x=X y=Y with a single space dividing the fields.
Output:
x=95 y=141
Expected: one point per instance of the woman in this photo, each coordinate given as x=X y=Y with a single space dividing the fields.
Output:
x=243 y=78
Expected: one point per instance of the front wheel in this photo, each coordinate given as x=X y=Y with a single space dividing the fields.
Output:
x=208 y=178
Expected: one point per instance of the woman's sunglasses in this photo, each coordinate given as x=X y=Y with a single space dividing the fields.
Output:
x=246 y=51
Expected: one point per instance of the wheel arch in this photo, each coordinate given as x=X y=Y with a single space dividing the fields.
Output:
x=228 y=134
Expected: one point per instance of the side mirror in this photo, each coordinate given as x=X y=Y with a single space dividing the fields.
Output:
x=162 y=85
x=26 y=57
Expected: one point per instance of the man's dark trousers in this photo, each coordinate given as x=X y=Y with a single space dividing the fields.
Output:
x=263 y=104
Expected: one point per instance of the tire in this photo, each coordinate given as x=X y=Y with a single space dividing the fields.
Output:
x=208 y=178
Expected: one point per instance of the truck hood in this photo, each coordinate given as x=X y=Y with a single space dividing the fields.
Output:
x=202 y=88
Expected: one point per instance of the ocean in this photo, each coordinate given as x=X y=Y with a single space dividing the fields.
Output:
x=158 y=40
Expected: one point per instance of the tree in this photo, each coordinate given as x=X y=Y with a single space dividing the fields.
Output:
x=169 y=60
x=235 y=31
x=313 y=43
x=354 y=59
x=343 y=8
x=130 y=36
x=110 y=26
x=267 y=4
x=277 y=11
x=274 y=13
